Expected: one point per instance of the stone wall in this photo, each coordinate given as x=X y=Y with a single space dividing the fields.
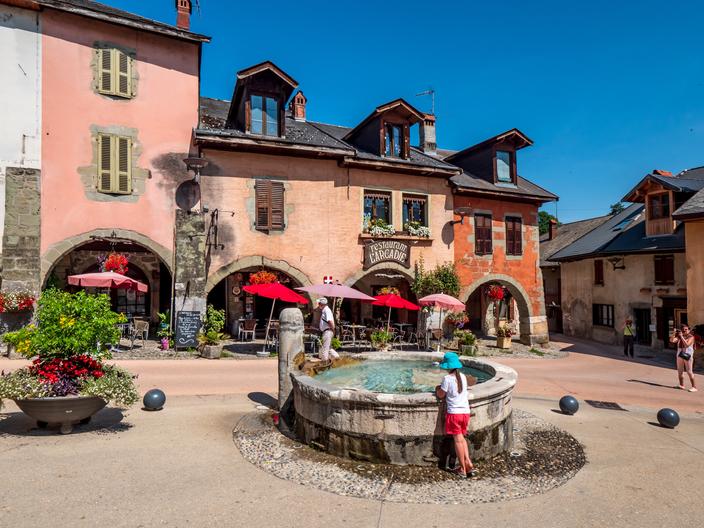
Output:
x=190 y=262
x=20 y=257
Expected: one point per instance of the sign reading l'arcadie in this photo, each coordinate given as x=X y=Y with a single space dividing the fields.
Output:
x=387 y=251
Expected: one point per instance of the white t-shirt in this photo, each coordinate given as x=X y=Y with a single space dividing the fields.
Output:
x=325 y=316
x=457 y=403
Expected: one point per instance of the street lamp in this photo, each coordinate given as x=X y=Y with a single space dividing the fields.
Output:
x=461 y=212
x=195 y=164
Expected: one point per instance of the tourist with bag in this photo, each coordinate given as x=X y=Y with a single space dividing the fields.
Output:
x=684 y=339
x=454 y=390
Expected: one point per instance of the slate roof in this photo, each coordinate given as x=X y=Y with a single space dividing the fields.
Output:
x=692 y=208
x=523 y=187
x=566 y=235
x=214 y=116
x=107 y=13
x=620 y=234
x=690 y=180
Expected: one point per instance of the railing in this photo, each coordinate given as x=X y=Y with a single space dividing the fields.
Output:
x=659 y=226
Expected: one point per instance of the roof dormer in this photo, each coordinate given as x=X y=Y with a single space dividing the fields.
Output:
x=494 y=159
x=386 y=131
x=259 y=100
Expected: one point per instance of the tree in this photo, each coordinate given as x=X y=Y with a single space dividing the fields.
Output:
x=616 y=208
x=443 y=279
x=544 y=221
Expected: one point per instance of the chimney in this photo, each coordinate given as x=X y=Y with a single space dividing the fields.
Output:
x=659 y=172
x=552 y=229
x=298 y=106
x=427 y=135
x=183 y=14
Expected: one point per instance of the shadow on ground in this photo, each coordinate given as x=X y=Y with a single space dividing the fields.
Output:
x=264 y=399
x=107 y=421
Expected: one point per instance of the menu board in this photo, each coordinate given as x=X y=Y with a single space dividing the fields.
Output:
x=187 y=328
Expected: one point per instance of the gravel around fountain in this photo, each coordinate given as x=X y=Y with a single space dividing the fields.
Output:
x=544 y=457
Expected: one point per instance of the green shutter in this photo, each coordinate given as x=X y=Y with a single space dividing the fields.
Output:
x=104 y=163
x=105 y=74
x=123 y=74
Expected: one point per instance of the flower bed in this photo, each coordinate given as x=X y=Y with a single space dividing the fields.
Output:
x=16 y=301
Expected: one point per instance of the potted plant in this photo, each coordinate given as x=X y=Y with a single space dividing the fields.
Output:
x=416 y=229
x=457 y=319
x=16 y=308
x=466 y=342
x=164 y=332
x=503 y=336
x=381 y=339
x=68 y=381
x=211 y=336
x=377 y=227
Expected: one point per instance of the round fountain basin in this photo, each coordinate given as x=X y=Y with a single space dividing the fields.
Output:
x=338 y=413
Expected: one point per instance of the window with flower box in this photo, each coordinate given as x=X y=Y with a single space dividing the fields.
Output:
x=377 y=205
x=415 y=214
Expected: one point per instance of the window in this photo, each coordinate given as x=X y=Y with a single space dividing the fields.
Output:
x=393 y=141
x=414 y=209
x=114 y=164
x=269 y=197
x=265 y=116
x=115 y=73
x=504 y=166
x=603 y=315
x=664 y=269
x=482 y=234
x=377 y=206
x=659 y=206
x=599 y=272
x=514 y=236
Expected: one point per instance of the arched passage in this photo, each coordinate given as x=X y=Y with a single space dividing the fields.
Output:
x=530 y=323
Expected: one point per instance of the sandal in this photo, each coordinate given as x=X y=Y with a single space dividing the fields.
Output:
x=473 y=473
x=693 y=389
x=458 y=471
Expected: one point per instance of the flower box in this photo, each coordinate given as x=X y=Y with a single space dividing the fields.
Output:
x=503 y=342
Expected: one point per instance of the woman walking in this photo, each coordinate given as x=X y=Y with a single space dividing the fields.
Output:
x=454 y=390
x=685 y=355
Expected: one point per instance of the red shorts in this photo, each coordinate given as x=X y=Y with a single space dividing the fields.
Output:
x=456 y=424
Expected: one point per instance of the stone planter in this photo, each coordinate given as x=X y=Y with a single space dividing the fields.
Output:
x=66 y=410
x=211 y=351
x=468 y=350
x=503 y=342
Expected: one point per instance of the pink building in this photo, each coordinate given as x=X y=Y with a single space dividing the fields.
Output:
x=119 y=102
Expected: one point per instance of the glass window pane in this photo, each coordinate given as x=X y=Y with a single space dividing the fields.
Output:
x=272 y=117
x=257 y=115
x=388 y=142
x=397 y=141
x=503 y=166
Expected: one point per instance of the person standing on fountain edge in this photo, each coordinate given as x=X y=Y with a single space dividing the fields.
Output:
x=454 y=390
x=327 y=327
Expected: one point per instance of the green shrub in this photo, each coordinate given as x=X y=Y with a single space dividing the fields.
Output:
x=380 y=338
x=214 y=319
x=443 y=279
x=336 y=344
x=465 y=338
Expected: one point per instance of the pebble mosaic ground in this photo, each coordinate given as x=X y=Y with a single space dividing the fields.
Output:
x=544 y=457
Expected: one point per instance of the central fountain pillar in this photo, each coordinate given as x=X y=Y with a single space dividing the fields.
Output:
x=290 y=351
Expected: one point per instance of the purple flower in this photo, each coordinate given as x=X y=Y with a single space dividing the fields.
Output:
x=64 y=387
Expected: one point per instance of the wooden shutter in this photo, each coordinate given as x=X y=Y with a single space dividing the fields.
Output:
x=482 y=234
x=123 y=74
x=598 y=272
x=262 y=192
x=514 y=242
x=122 y=182
x=277 y=205
x=105 y=163
x=105 y=76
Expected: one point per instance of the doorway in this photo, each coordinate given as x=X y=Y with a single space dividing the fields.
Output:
x=642 y=320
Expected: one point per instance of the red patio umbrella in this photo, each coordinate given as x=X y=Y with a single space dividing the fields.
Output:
x=391 y=300
x=275 y=291
x=106 y=279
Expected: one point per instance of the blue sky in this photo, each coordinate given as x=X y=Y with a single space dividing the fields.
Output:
x=607 y=90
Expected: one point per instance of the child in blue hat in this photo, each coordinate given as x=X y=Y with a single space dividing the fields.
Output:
x=454 y=390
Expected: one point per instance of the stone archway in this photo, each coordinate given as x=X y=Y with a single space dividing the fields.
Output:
x=350 y=281
x=532 y=323
x=256 y=262
x=57 y=251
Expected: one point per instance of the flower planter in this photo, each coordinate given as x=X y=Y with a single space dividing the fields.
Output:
x=468 y=350
x=66 y=411
x=164 y=343
x=503 y=342
x=211 y=351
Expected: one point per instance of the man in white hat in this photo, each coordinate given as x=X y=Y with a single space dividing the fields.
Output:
x=327 y=327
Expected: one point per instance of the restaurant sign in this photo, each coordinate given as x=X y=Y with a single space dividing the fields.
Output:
x=387 y=251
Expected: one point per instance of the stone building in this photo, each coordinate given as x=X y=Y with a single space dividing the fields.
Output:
x=119 y=96
x=633 y=265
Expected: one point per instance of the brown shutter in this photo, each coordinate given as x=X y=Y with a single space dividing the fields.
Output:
x=105 y=70
x=518 y=241
x=262 y=192
x=277 y=205
x=124 y=155
x=123 y=87
x=598 y=272
x=104 y=163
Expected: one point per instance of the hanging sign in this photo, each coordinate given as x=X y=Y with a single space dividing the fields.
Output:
x=387 y=251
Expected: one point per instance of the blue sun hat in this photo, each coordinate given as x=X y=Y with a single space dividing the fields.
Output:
x=451 y=361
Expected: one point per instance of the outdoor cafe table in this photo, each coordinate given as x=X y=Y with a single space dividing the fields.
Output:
x=354 y=328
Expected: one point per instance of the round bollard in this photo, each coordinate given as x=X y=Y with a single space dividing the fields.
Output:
x=569 y=404
x=668 y=418
x=154 y=400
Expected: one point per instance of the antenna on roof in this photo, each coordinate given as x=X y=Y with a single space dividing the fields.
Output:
x=431 y=93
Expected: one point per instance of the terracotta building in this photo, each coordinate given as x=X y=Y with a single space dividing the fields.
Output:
x=309 y=200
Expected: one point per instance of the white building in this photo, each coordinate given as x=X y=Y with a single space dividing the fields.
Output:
x=20 y=93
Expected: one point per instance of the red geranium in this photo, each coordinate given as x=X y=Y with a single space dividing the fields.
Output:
x=52 y=370
x=495 y=292
x=116 y=262
x=262 y=277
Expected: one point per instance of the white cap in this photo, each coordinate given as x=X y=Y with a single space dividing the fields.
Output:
x=322 y=300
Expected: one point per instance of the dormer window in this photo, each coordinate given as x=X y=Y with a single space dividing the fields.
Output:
x=659 y=206
x=264 y=112
x=393 y=136
x=505 y=166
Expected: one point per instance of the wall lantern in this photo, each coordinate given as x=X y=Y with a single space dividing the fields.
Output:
x=195 y=164
x=462 y=212
x=618 y=263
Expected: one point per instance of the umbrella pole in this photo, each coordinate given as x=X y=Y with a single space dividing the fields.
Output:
x=268 y=323
x=388 y=321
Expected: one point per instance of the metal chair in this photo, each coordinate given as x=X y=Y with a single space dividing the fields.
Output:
x=140 y=330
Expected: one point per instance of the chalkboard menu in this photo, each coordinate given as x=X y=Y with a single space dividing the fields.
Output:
x=187 y=328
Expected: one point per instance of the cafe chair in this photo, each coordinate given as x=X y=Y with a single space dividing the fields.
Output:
x=247 y=328
x=140 y=330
